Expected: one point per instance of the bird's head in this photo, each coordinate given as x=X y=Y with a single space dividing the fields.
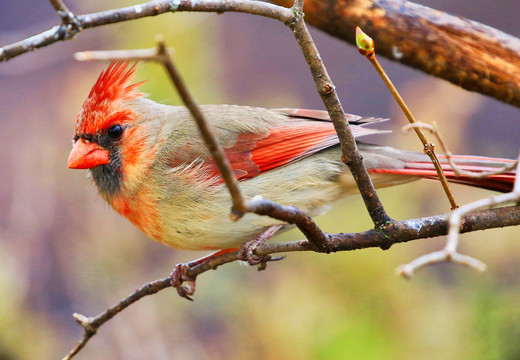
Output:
x=107 y=135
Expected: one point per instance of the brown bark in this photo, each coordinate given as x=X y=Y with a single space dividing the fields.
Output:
x=464 y=52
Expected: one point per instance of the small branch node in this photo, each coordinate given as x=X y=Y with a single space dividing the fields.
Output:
x=70 y=25
x=327 y=89
x=85 y=322
x=434 y=129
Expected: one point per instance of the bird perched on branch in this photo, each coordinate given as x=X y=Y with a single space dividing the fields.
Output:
x=149 y=163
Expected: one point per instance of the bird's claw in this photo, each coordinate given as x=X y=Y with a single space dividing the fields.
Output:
x=247 y=250
x=247 y=253
x=181 y=281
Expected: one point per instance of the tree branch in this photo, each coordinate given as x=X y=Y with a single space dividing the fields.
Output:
x=394 y=233
x=471 y=55
x=150 y=8
x=450 y=252
x=326 y=89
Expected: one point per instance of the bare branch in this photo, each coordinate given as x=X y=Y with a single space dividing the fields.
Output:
x=350 y=154
x=291 y=215
x=130 y=55
x=239 y=206
x=394 y=233
x=469 y=54
x=433 y=128
x=150 y=8
x=450 y=253
x=92 y=324
x=70 y=24
x=367 y=49
x=59 y=6
x=408 y=270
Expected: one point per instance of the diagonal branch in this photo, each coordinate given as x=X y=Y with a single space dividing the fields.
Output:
x=326 y=89
x=239 y=206
x=366 y=48
x=466 y=53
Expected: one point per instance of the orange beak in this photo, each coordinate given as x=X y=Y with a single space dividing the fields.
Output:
x=86 y=155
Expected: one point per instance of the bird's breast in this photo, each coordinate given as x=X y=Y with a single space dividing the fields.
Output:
x=141 y=210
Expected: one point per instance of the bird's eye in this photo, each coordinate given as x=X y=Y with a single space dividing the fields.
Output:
x=115 y=131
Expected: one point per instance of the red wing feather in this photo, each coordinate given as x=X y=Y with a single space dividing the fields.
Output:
x=305 y=133
x=290 y=143
x=255 y=153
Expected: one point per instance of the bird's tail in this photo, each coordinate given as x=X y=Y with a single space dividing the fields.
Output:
x=416 y=164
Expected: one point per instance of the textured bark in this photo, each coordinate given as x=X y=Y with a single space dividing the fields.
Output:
x=464 y=52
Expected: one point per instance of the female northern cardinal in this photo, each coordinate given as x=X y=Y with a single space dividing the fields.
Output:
x=149 y=163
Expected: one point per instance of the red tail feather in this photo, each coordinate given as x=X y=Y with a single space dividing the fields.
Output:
x=502 y=182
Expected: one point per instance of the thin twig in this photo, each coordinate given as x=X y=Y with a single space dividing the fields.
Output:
x=70 y=24
x=467 y=53
x=92 y=324
x=433 y=128
x=450 y=253
x=366 y=48
x=129 y=55
x=59 y=6
x=217 y=152
x=291 y=215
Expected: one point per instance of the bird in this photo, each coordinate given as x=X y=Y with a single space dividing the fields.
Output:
x=149 y=163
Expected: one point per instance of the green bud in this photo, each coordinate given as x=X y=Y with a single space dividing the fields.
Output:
x=364 y=42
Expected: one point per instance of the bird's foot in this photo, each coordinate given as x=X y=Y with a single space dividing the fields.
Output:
x=184 y=283
x=247 y=250
x=181 y=281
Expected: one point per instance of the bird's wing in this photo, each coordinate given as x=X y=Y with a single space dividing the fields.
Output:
x=305 y=133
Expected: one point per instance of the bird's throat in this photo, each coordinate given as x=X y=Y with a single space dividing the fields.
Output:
x=108 y=179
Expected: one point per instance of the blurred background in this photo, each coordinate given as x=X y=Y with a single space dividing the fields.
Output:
x=63 y=250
